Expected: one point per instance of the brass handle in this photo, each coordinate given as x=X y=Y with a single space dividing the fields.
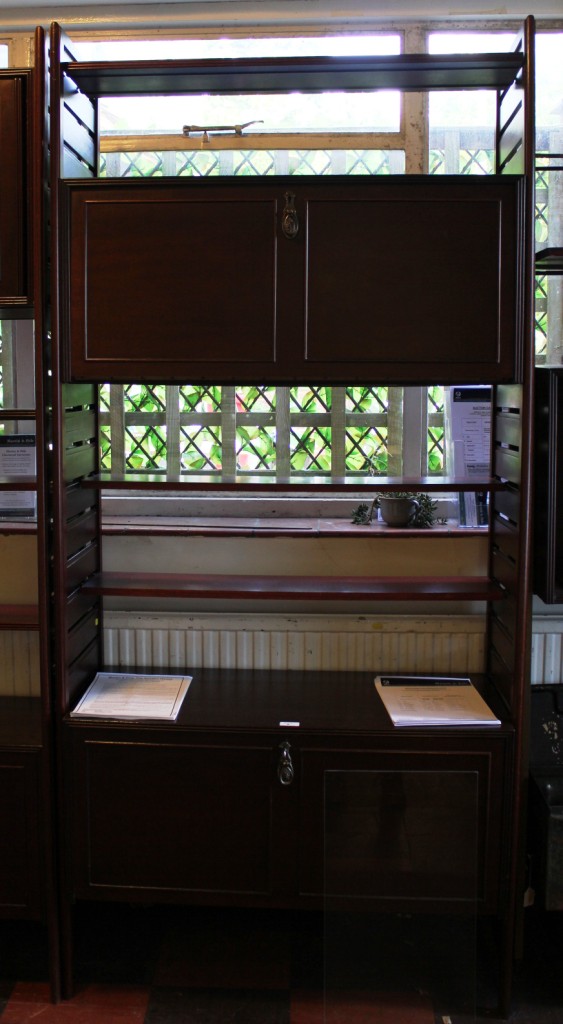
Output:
x=286 y=771
x=290 y=220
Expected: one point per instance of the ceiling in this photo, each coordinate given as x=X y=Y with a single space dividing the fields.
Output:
x=217 y=15
x=302 y=10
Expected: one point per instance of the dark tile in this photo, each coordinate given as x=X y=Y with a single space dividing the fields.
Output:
x=193 y=1006
x=113 y=997
x=96 y=1004
x=23 y=951
x=360 y=1008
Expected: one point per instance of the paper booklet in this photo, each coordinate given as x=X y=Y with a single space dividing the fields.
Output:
x=124 y=695
x=433 y=700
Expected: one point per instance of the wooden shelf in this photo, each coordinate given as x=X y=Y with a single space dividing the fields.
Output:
x=11 y=525
x=19 y=616
x=18 y=483
x=549 y=261
x=267 y=482
x=306 y=74
x=342 y=701
x=324 y=588
x=17 y=414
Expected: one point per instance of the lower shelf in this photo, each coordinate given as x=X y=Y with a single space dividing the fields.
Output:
x=405 y=588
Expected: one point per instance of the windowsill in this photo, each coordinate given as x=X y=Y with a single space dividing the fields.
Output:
x=230 y=526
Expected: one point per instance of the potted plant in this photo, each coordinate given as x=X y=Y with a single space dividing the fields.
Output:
x=399 y=509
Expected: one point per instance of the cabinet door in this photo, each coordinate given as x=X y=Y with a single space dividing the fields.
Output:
x=410 y=825
x=12 y=189
x=172 y=282
x=152 y=817
x=396 y=280
x=20 y=887
x=415 y=279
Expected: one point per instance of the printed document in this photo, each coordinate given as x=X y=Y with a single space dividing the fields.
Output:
x=123 y=695
x=433 y=700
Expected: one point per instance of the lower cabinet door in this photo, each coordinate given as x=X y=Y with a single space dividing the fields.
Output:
x=406 y=826
x=171 y=818
x=20 y=871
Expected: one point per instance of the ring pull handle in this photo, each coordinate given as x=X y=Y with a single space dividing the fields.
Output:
x=290 y=220
x=286 y=772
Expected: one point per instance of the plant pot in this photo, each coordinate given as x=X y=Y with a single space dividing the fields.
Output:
x=398 y=511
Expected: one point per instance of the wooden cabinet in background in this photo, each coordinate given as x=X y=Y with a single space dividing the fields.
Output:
x=14 y=283
x=292 y=280
x=21 y=815
x=548 y=485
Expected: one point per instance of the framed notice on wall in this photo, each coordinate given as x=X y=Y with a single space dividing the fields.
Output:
x=17 y=458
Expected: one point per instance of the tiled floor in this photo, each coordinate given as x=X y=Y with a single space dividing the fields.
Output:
x=204 y=966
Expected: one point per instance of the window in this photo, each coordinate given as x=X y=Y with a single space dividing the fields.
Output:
x=17 y=389
x=264 y=432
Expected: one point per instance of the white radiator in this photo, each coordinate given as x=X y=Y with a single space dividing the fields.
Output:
x=323 y=642
x=547 y=650
x=337 y=642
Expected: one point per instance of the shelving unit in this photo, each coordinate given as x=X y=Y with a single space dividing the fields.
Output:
x=27 y=843
x=125 y=841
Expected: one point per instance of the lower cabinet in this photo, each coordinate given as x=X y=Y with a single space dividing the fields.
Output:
x=276 y=819
x=20 y=817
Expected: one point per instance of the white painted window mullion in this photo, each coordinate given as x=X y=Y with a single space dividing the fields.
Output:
x=117 y=428
x=229 y=429
x=338 y=432
x=283 y=432
x=173 y=445
x=414 y=430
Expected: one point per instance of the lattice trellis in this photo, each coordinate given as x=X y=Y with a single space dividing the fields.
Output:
x=436 y=435
x=542 y=284
x=269 y=430
x=251 y=162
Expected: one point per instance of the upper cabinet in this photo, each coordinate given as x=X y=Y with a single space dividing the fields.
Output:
x=14 y=252
x=399 y=279
x=291 y=279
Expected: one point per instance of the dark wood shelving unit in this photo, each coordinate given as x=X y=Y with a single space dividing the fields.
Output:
x=27 y=849
x=103 y=827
